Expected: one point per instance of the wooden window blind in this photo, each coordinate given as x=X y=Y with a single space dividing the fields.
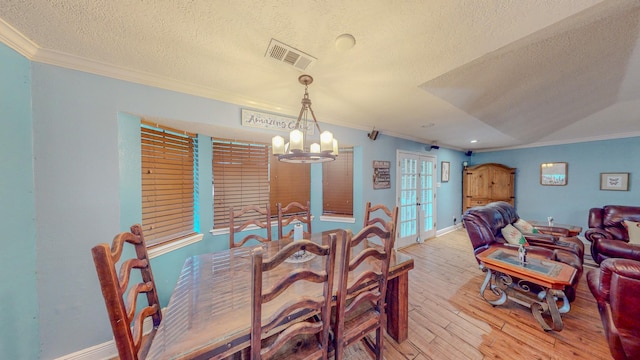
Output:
x=240 y=177
x=337 y=185
x=289 y=182
x=169 y=193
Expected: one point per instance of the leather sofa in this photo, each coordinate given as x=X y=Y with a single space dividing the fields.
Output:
x=607 y=234
x=484 y=225
x=616 y=287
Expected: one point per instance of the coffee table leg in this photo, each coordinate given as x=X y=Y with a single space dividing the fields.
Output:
x=553 y=309
x=495 y=289
x=550 y=305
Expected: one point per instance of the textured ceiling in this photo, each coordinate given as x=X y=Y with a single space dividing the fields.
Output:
x=506 y=73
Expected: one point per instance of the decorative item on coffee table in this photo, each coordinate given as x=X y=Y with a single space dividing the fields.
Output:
x=522 y=251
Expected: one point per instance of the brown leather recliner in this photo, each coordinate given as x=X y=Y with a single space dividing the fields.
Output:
x=484 y=224
x=616 y=287
x=608 y=236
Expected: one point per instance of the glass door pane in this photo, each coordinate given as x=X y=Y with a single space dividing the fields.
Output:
x=408 y=197
x=427 y=204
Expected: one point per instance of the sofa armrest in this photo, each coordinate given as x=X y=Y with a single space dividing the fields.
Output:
x=595 y=233
x=612 y=248
x=600 y=282
x=553 y=230
x=594 y=281
x=624 y=267
x=539 y=238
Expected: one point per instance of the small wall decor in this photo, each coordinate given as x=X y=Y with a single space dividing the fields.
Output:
x=444 y=171
x=262 y=120
x=614 y=181
x=381 y=174
x=553 y=174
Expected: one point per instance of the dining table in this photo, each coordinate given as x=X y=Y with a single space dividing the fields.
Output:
x=209 y=313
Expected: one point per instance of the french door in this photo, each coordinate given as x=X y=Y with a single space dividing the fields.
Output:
x=416 y=174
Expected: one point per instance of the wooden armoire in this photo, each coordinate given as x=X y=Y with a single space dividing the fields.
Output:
x=485 y=183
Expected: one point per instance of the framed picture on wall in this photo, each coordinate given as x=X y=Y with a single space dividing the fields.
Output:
x=553 y=174
x=444 y=171
x=614 y=181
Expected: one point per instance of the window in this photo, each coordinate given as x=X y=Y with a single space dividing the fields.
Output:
x=245 y=173
x=240 y=177
x=169 y=173
x=289 y=182
x=337 y=185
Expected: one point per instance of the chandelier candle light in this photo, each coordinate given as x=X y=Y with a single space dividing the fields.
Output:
x=295 y=151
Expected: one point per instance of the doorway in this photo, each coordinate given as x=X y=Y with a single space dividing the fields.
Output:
x=415 y=197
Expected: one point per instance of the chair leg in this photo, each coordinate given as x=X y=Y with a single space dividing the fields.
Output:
x=374 y=350
x=339 y=350
x=245 y=354
x=379 y=343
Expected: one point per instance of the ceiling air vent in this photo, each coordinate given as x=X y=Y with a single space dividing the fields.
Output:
x=288 y=55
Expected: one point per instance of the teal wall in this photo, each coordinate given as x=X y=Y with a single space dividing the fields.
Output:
x=571 y=203
x=86 y=146
x=75 y=182
x=18 y=290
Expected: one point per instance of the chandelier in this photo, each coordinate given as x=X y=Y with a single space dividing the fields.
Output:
x=296 y=151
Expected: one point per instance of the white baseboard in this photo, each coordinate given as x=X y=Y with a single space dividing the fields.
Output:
x=448 y=229
x=104 y=351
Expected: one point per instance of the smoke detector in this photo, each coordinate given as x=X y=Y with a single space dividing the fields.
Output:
x=289 y=55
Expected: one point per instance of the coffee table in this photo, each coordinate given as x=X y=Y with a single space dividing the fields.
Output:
x=537 y=284
x=574 y=230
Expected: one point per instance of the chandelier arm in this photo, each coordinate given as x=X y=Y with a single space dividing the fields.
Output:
x=300 y=118
x=313 y=115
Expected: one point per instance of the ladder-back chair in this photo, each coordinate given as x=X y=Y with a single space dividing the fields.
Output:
x=380 y=215
x=120 y=299
x=281 y=335
x=249 y=215
x=360 y=305
x=290 y=213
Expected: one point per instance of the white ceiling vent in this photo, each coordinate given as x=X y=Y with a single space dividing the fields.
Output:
x=288 y=55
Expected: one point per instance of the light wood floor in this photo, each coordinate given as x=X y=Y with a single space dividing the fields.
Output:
x=449 y=320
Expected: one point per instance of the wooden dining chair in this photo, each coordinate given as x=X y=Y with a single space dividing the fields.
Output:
x=380 y=215
x=360 y=303
x=249 y=215
x=121 y=300
x=299 y=328
x=290 y=213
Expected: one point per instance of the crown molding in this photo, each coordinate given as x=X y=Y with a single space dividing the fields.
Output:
x=15 y=40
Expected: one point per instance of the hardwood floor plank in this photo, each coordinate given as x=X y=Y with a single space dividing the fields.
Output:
x=393 y=350
x=444 y=334
x=505 y=346
x=420 y=334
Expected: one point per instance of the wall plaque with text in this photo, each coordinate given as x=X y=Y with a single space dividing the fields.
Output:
x=381 y=174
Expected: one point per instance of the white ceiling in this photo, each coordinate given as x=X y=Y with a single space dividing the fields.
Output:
x=509 y=73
